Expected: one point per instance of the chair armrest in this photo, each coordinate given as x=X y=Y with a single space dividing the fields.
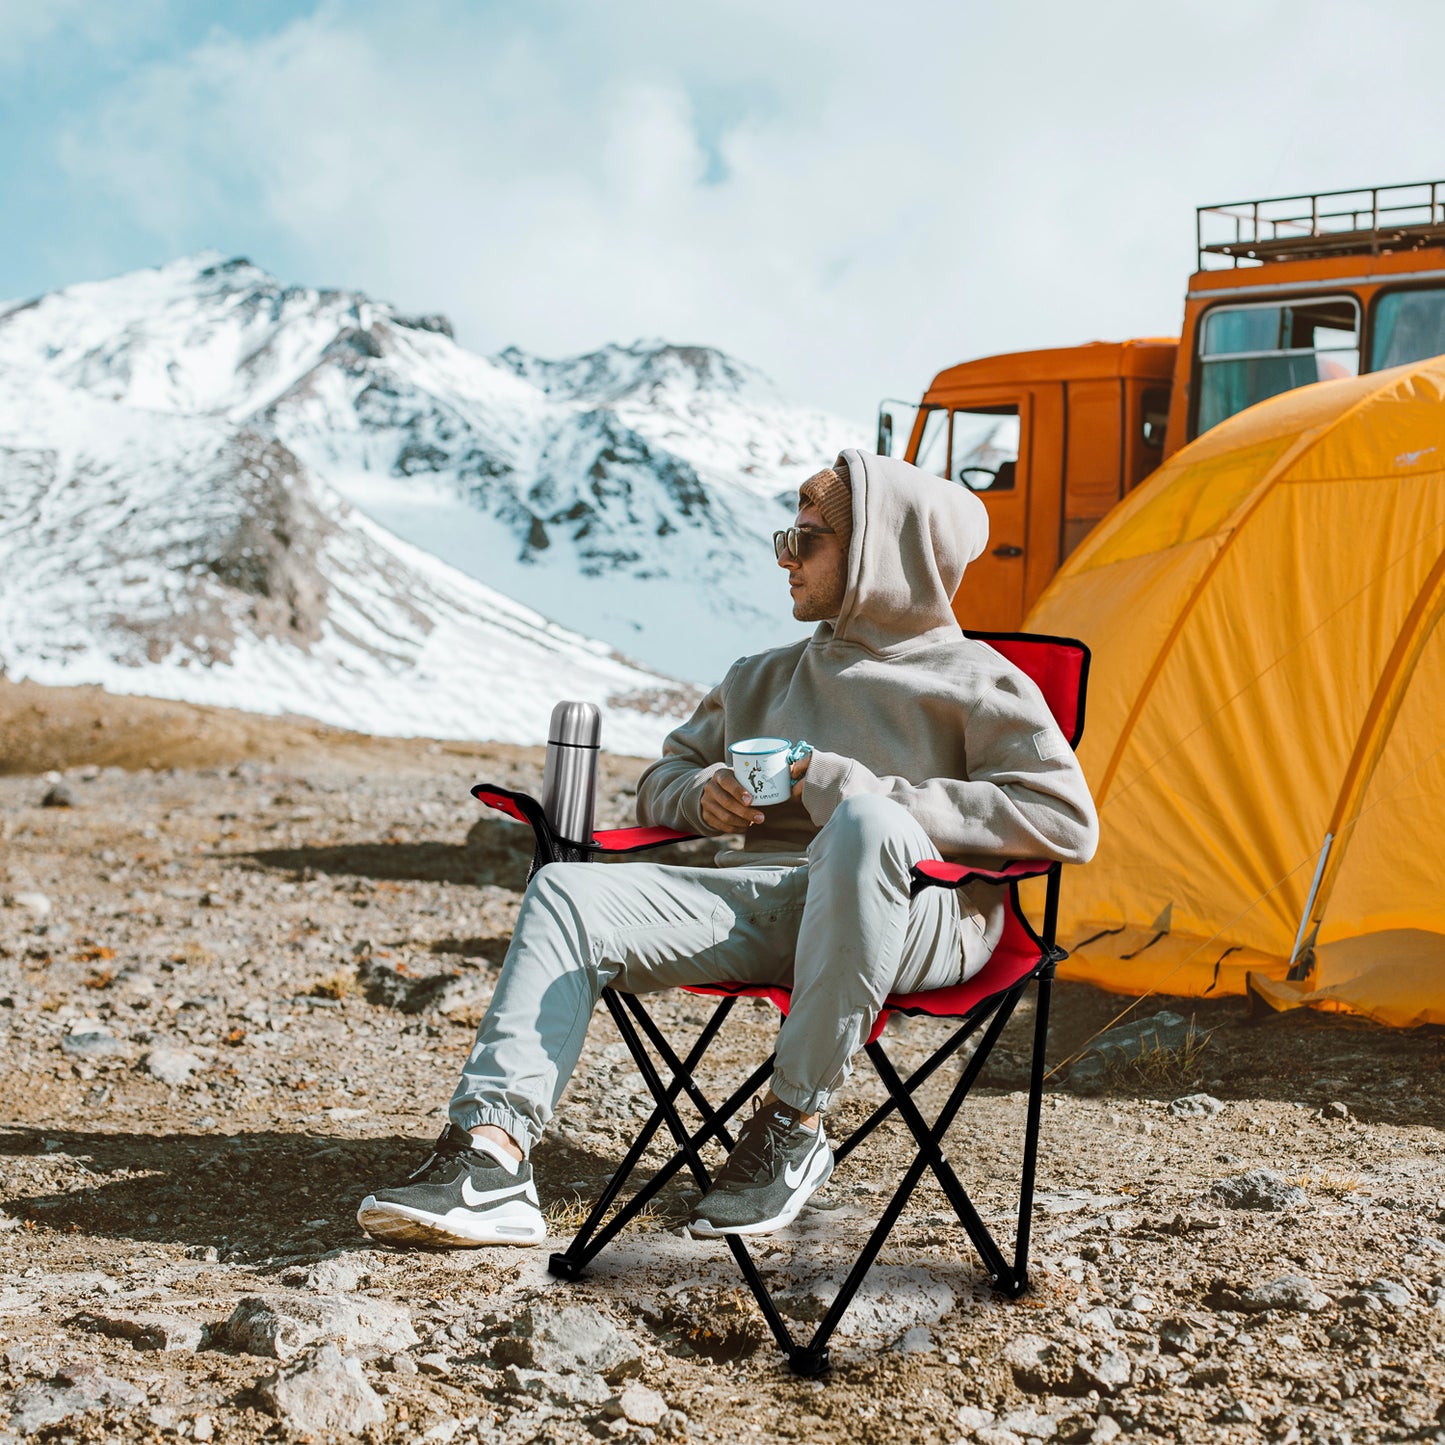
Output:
x=932 y=872
x=504 y=800
x=526 y=809
x=632 y=840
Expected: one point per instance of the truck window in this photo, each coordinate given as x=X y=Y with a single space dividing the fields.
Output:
x=1408 y=326
x=985 y=451
x=1250 y=352
x=933 y=444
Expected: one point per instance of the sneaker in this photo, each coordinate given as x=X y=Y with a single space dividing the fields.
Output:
x=468 y=1191
x=774 y=1167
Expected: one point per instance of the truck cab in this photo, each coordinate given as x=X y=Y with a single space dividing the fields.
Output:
x=1287 y=291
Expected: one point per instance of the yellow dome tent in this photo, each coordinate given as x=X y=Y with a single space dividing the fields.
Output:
x=1266 y=736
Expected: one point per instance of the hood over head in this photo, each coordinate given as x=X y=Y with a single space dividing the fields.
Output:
x=913 y=535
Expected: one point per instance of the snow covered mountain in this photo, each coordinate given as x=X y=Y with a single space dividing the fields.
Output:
x=628 y=494
x=176 y=557
x=217 y=488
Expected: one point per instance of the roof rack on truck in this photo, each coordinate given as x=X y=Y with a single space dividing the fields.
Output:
x=1371 y=220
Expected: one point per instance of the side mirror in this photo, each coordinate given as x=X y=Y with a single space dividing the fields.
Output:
x=986 y=478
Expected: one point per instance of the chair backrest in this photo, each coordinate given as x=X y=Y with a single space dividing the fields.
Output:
x=1060 y=667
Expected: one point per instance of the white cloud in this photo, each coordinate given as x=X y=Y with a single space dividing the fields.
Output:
x=897 y=194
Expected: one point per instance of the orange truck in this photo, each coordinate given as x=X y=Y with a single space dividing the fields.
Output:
x=1288 y=291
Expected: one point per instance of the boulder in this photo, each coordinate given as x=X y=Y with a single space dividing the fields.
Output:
x=1178 y=1335
x=322 y=1393
x=282 y=1326
x=638 y=1404
x=1040 y=1366
x=568 y=1339
x=1378 y=1293
x=1107 y=1372
x=88 y=1040
x=1162 y=1031
x=1257 y=1189
x=1288 y=1292
x=555 y=1388
x=172 y=1066
x=148 y=1330
x=1196 y=1106
x=75 y=1390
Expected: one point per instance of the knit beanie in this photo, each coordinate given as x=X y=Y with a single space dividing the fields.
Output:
x=831 y=491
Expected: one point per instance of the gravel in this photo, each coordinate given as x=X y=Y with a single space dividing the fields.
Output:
x=183 y=1250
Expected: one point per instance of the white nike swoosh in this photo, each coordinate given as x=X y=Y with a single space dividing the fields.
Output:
x=791 y=1179
x=489 y=1196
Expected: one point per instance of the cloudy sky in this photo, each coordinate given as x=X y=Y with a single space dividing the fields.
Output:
x=848 y=195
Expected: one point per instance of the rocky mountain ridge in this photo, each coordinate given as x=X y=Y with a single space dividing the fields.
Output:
x=217 y=487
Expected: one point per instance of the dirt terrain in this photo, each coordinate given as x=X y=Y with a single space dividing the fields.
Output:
x=240 y=963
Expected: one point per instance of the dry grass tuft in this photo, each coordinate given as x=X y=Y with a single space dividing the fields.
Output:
x=1328 y=1182
x=1160 y=1069
x=567 y=1215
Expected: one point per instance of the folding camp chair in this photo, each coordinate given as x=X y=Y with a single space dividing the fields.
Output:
x=986 y=1001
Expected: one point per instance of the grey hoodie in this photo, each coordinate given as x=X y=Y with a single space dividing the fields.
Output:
x=896 y=701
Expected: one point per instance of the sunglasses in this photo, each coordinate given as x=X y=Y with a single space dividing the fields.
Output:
x=798 y=540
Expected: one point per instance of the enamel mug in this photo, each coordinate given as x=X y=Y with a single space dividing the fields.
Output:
x=762 y=766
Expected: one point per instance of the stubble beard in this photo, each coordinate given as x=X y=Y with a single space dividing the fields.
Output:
x=806 y=610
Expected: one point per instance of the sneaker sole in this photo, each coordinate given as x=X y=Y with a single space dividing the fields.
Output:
x=703 y=1229
x=457 y=1229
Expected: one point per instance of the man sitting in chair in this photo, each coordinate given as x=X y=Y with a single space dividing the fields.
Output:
x=927 y=745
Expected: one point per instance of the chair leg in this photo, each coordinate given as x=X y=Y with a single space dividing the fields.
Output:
x=1031 y=1135
x=569 y=1264
x=945 y=1052
x=585 y=1247
x=682 y=1072
x=586 y=1244
x=812 y=1358
x=688 y=1146
x=931 y=1156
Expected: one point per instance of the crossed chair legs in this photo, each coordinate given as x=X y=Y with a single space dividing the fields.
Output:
x=811 y=1358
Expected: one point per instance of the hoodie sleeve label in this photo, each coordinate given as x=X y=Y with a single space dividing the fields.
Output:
x=1050 y=744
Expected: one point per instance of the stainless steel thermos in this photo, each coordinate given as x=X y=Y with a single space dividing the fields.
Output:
x=569 y=779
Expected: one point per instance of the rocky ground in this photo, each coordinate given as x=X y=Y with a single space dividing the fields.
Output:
x=240 y=963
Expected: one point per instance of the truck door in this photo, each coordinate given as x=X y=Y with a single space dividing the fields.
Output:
x=988 y=453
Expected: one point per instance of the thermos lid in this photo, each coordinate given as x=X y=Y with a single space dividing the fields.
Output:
x=576 y=723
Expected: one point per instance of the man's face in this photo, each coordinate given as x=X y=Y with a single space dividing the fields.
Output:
x=818 y=580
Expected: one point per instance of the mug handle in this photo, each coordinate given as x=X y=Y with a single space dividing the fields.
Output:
x=800 y=749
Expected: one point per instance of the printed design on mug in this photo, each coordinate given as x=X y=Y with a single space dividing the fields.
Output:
x=757 y=781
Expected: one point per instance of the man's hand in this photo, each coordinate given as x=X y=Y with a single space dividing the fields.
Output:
x=727 y=805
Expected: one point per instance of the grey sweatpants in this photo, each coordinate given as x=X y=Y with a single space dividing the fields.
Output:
x=841 y=931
